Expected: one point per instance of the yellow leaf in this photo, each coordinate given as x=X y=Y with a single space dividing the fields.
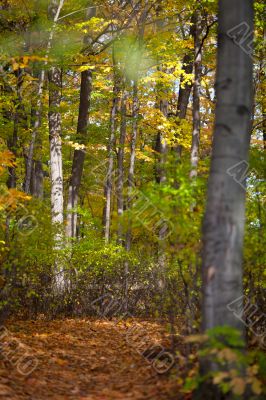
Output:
x=86 y=67
x=196 y=339
x=253 y=370
x=238 y=386
x=220 y=377
x=15 y=66
x=2 y=281
x=59 y=361
x=256 y=386
x=228 y=354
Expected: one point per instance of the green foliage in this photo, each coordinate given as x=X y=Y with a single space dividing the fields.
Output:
x=236 y=371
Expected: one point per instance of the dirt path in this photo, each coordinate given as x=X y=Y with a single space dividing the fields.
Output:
x=80 y=360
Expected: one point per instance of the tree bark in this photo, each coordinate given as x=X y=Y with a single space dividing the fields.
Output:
x=56 y=169
x=55 y=146
x=111 y=150
x=38 y=179
x=131 y=172
x=187 y=67
x=35 y=129
x=161 y=148
x=120 y=165
x=223 y=225
x=37 y=173
x=79 y=155
x=196 y=97
x=185 y=89
x=56 y=163
x=54 y=10
x=18 y=117
x=132 y=155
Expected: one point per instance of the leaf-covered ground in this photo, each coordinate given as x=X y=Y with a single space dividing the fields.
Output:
x=83 y=360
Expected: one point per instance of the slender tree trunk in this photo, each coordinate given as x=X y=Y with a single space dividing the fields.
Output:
x=38 y=177
x=196 y=97
x=163 y=144
x=162 y=180
x=185 y=88
x=131 y=172
x=37 y=173
x=56 y=164
x=161 y=148
x=160 y=169
x=56 y=167
x=223 y=225
x=131 y=182
x=264 y=128
x=120 y=164
x=55 y=145
x=187 y=67
x=12 y=143
x=111 y=150
x=132 y=156
x=55 y=7
x=79 y=155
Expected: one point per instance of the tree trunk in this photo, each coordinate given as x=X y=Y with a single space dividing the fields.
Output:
x=132 y=155
x=37 y=173
x=56 y=167
x=111 y=149
x=120 y=165
x=131 y=182
x=223 y=225
x=196 y=97
x=162 y=179
x=54 y=10
x=38 y=178
x=18 y=118
x=161 y=148
x=187 y=67
x=131 y=172
x=35 y=130
x=79 y=155
x=55 y=145
x=185 y=89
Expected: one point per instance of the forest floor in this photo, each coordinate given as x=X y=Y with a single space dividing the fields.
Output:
x=81 y=359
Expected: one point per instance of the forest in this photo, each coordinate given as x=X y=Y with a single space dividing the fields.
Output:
x=132 y=200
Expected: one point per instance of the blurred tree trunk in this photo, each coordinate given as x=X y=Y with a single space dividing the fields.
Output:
x=131 y=183
x=132 y=159
x=35 y=129
x=133 y=142
x=54 y=10
x=264 y=128
x=37 y=173
x=187 y=67
x=185 y=88
x=135 y=111
x=196 y=95
x=223 y=225
x=19 y=117
x=120 y=163
x=111 y=152
x=161 y=147
x=38 y=176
